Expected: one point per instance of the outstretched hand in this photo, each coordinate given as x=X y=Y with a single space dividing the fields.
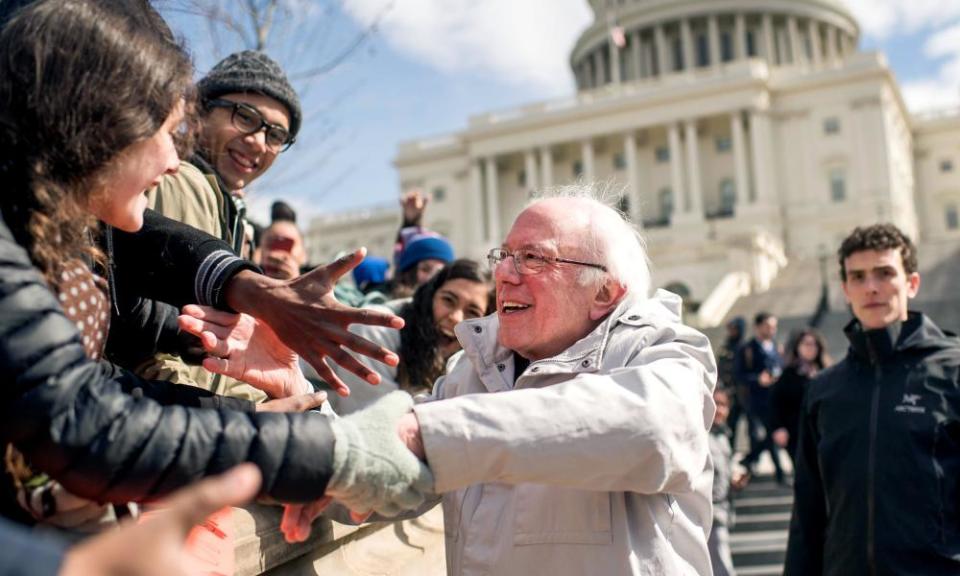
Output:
x=305 y=315
x=244 y=348
x=155 y=547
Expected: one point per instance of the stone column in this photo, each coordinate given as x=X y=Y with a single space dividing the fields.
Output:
x=676 y=169
x=586 y=157
x=694 y=187
x=599 y=76
x=663 y=60
x=636 y=56
x=713 y=31
x=686 y=39
x=798 y=54
x=530 y=170
x=833 y=43
x=546 y=165
x=493 y=201
x=761 y=144
x=769 y=48
x=741 y=172
x=740 y=37
x=813 y=31
x=633 y=175
x=477 y=232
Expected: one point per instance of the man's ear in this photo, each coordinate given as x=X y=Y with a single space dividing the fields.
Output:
x=913 y=284
x=608 y=295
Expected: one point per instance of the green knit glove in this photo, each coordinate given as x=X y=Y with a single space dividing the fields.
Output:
x=372 y=468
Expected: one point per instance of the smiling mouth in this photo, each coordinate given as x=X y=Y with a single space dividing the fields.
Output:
x=509 y=307
x=242 y=161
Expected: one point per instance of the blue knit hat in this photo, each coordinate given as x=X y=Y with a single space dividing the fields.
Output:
x=425 y=248
x=373 y=270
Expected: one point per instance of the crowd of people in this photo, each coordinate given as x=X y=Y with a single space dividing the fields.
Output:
x=159 y=347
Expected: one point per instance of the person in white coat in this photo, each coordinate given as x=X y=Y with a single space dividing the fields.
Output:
x=570 y=436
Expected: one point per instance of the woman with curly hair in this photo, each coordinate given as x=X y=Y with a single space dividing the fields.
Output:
x=459 y=291
x=92 y=99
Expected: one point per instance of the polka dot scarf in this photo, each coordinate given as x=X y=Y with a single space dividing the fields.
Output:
x=83 y=296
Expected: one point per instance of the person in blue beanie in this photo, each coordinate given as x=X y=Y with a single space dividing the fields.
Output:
x=422 y=257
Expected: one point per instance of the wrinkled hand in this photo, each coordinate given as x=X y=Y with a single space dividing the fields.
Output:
x=414 y=204
x=155 y=547
x=298 y=403
x=372 y=467
x=246 y=349
x=305 y=315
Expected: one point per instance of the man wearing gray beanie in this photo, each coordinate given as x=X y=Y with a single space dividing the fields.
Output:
x=249 y=113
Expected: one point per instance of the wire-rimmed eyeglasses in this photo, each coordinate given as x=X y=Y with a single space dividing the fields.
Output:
x=529 y=261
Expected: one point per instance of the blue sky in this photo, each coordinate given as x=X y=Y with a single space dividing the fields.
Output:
x=431 y=64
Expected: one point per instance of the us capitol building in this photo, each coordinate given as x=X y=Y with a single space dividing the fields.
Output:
x=749 y=137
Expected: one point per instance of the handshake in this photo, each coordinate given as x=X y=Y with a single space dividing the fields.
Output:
x=373 y=469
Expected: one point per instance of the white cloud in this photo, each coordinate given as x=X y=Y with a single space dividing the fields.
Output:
x=885 y=18
x=524 y=42
x=943 y=90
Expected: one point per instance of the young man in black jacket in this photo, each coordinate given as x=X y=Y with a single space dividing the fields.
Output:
x=878 y=464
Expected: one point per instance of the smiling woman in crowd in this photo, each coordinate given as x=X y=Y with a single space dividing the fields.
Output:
x=459 y=291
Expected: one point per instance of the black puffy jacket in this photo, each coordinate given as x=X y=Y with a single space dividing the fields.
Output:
x=74 y=418
x=878 y=465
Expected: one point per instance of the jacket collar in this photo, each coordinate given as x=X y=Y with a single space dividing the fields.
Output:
x=480 y=339
x=915 y=333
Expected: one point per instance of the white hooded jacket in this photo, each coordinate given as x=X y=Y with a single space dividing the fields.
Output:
x=595 y=462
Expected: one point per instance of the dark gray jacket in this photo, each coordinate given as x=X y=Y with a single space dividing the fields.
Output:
x=77 y=420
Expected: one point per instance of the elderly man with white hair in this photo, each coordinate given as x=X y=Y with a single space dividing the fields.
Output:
x=570 y=436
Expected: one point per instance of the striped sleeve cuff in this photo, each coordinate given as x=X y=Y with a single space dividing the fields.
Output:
x=214 y=272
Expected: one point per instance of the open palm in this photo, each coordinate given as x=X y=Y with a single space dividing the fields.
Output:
x=244 y=348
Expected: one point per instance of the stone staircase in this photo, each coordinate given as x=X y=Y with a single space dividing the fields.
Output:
x=758 y=540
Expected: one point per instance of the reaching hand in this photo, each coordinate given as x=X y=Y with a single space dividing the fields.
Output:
x=246 y=349
x=155 y=546
x=306 y=316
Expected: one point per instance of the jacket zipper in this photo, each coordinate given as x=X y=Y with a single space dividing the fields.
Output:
x=871 y=464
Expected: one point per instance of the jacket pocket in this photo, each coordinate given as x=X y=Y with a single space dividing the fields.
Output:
x=554 y=515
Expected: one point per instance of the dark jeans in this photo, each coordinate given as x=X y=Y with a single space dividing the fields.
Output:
x=760 y=440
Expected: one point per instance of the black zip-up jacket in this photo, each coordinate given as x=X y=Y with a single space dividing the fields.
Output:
x=878 y=465
x=87 y=425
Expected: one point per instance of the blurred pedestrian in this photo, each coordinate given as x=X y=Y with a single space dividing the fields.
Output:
x=806 y=357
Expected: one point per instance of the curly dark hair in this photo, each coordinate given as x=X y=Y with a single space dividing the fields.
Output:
x=878 y=237
x=420 y=360
x=80 y=81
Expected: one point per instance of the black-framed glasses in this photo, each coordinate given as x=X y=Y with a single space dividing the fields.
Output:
x=529 y=261
x=249 y=120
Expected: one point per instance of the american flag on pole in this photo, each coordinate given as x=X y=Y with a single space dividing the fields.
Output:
x=618 y=37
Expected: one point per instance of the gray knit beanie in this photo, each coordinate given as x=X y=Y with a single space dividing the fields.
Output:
x=251 y=71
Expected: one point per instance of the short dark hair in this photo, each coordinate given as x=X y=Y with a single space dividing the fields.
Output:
x=761 y=317
x=280 y=210
x=878 y=237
